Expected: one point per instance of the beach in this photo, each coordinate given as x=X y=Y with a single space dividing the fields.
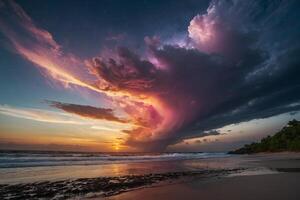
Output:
x=283 y=183
x=154 y=176
x=270 y=186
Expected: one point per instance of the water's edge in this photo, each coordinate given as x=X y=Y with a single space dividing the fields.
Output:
x=101 y=186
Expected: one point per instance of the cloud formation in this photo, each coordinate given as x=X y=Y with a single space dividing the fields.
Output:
x=38 y=46
x=221 y=80
x=87 y=111
x=239 y=62
x=40 y=115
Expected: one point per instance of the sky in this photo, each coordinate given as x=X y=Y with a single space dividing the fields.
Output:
x=115 y=75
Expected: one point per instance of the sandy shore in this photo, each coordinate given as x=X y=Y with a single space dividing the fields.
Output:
x=275 y=186
x=282 y=184
x=101 y=186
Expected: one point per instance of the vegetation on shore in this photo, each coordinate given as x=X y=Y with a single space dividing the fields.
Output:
x=287 y=139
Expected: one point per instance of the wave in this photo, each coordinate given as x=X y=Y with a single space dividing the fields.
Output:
x=31 y=159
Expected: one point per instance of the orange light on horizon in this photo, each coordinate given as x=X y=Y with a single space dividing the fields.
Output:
x=116 y=146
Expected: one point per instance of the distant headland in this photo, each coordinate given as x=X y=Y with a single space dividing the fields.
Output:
x=287 y=139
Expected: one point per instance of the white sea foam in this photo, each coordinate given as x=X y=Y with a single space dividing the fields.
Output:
x=31 y=159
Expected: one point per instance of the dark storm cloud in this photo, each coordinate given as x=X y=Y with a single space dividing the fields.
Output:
x=255 y=77
x=87 y=111
x=271 y=86
x=129 y=73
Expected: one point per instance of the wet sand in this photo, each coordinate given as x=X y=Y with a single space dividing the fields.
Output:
x=282 y=184
x=100 y=187
x=271 y=186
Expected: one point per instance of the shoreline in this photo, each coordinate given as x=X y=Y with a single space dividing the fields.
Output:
x=280 y=181
x=102 y=186
x=259 y=187
x=127 y=186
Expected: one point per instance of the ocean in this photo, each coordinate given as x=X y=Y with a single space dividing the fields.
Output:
x=32 y=166
x=37 y=159
x=76 y=175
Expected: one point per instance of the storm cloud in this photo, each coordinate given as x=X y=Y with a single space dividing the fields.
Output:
x=233 y=72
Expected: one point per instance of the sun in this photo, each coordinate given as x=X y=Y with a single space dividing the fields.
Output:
x=116 y=146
